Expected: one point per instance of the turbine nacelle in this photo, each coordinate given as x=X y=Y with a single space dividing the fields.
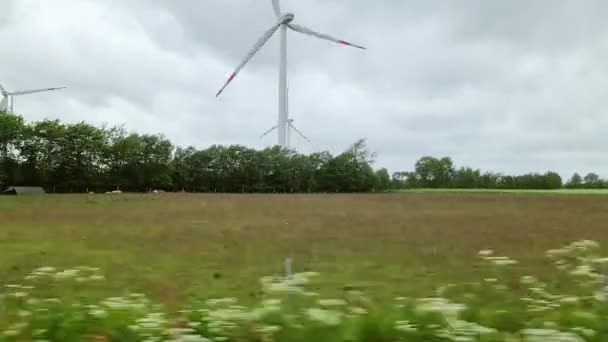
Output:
x=287 y=18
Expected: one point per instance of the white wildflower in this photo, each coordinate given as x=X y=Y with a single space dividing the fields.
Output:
x=584 y=331
x=601 y=261
x=23 y=313
x=405 y=326
x=569 y=300
x=66 y=274
x=39 y=332
x=10 y=333
x=221 y=301
x=268 y=329
x=600 y=296
x=358 y=311
x=582 y=270
x=332 y=302
x=501 y=287
x=32 y=301
x=15 y=329
x=98 y=313
x=528 y=280
x=504 y=261
x=19 y=294
x=271 y=302
x=327 y=317
x=440 y=305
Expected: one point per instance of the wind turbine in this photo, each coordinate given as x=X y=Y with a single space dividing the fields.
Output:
x=290 y=126
x=284 y=21
x=7 y=106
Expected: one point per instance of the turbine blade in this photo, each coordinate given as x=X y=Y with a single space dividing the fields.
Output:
x=26 y=92
x=310 y=32
x=298 y=131
x=251 y=53
x=268 y=131
x=277 y=8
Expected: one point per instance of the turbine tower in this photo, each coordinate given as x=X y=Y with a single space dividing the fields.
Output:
x=284 y=21
x=7 y=104
x=290 y=127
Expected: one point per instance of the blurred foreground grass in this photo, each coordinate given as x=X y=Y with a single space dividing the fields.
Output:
x=499 y=307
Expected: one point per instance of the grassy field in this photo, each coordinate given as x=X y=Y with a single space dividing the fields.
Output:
x=513 y=191
x=177 y=246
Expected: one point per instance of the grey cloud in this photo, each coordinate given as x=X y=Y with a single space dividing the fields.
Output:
x=512 y=86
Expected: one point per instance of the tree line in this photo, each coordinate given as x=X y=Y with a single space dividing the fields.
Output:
x=438 y=173
x=80 y=157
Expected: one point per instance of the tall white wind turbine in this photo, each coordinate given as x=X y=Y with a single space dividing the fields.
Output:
x=7 y=106
x=284 y=21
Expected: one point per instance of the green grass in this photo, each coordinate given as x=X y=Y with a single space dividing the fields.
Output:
x=498 y=308
x=177 y=246
x=512 y=191
x=180 y=249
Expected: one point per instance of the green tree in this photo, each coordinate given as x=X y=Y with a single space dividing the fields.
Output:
x=81 y=157
x=435 y=173
x=383 y=180
x=41 y=153
x=575 y=182
x=553 y=180
x=466 y=178
x=11 y=134
x=592 y=181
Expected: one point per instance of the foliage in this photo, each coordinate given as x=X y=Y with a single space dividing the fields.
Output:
x=82 y=158
x=440 y=173
x=500 y=307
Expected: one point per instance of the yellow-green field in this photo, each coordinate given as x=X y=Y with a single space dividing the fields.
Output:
x=513 y=191
x=176 y=246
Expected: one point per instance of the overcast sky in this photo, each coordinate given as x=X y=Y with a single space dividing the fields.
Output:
x=509 y=86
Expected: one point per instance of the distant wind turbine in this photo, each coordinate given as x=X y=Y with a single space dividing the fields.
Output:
x=290 y=127
x=284 y=21
x=7 y=106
